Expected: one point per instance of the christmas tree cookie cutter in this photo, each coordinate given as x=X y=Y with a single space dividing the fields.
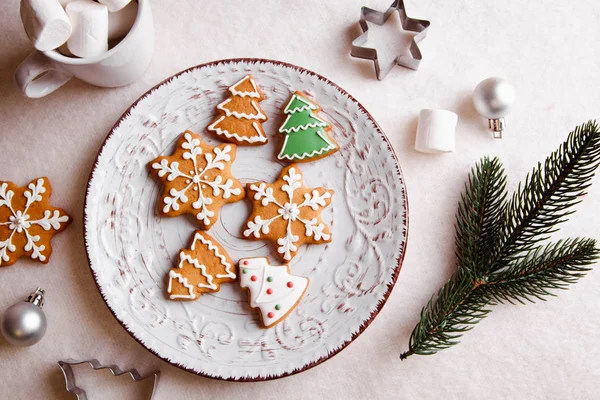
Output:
x=409 y=59
x=67 y=370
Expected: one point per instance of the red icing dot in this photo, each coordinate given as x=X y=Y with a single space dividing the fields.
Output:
x=269 y=291
x=290 y=284
x=253 y=278
x=245 y=262
x=270 y=315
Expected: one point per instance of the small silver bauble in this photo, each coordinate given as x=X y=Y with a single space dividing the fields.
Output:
x=24 y=323
x=493 y=99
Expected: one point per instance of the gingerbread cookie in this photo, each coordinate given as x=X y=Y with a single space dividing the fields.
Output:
x=202 y=268
x=240 y=117
x=28 y=221
x=197 y=179
x=306 y=135
x=271 y=289
x=287 y=213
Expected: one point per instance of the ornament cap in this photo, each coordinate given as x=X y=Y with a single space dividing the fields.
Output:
x=497 y=126
x=37 y=297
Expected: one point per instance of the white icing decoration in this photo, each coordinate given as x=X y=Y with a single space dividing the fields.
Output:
x=317 y=231
x=197 y=179
x=258 y=226
x=254 y=94
x=265 y=192
x=51 y=220
x=319 y=123
x=304 y=155
x=228 y=113
x=287 y=298
x=35 y=193
x=215 y=250
x=20 y=220
x=315 y=200
x=290 y=211
x=209 y=278
x=205 y=214
x=250 y=139
x=173 y=170
x=286 y=244
x=36 y=251
x=307 y=105
x=293 y=182
x=183 y=281
x=6 y=196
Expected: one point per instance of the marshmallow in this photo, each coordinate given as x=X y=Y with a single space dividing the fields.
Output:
x=120 y=22
x=64 y=50
x=114 y=5
x=90 y=28
x=435 y=131
x=64 y=2
x=45 y=23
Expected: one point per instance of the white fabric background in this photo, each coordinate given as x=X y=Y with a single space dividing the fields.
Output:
x=548 y=49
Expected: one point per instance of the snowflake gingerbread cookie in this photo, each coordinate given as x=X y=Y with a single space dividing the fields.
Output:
x=287 y=213
x=202 y=268
x=28 y=221
x=271 y=289
x=197 y=179
x=240 y=117
x=306 y=135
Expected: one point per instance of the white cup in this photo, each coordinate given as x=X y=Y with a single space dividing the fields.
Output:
x=41 y=73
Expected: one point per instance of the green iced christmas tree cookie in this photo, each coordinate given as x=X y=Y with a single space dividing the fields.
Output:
x=306 y=135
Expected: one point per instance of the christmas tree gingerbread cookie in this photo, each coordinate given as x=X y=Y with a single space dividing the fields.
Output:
x=197 y=179
x=202 y=268
x=240 y=117
x=287 y=213
x=271 y=289
x=306 y=135
x=28 y=221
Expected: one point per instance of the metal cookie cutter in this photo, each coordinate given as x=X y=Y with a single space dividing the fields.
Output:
x=66 y=367
x=410 y=59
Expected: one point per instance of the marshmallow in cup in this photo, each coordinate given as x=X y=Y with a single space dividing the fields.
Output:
x=44 y=72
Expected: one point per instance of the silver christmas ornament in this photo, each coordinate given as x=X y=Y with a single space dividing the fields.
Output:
x=24 y=323
x=493 y=99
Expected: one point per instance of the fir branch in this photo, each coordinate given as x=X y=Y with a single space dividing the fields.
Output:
x=547 y=196
x=478 y=217
x=553 y=266
x=448 y=314
x=499 y=251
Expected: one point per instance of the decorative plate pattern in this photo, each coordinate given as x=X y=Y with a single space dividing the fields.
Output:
x=131 y=249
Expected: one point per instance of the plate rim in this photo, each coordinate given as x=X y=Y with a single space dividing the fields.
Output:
x=405 y=217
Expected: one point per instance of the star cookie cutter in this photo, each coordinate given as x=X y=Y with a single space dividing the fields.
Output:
x=409 y=59
x=67 y=370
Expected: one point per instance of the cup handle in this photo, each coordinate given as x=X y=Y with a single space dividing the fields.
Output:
x=38 y=76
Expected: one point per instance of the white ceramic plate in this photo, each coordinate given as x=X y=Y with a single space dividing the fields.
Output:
x=131 y=249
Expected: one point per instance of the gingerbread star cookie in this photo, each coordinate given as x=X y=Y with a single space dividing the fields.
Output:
x=271 y=289
x=287 y=213
x=28 y=221
x=202 y=268
x=197 y=179
x=240 y=117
